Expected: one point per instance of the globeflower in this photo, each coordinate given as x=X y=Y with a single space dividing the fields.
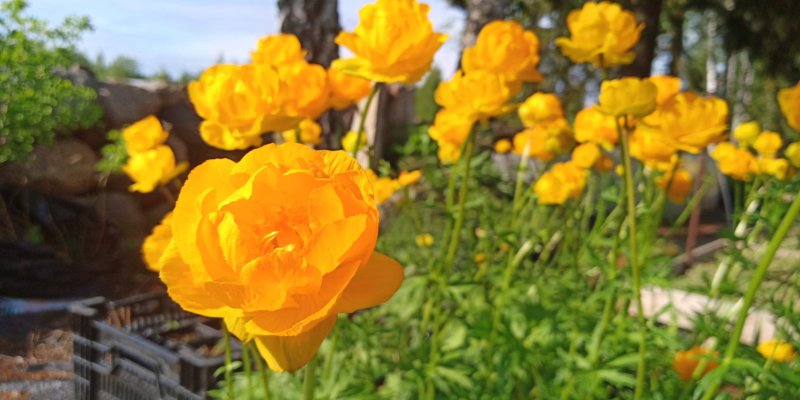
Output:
x=349 y=142
x=777 y=350
x=407 y=178
x=308 y=131
x=691 y=122
x=278 y=244
x=601 y=33
x=768 y=143
x=792 y=154
x=680 y=185
x=544 y=141
x=628 y=96
x=504 y=48
x=306 y=92
x=777 y=167
x=789 y=101
x=595 y=127
x=154 y=245
x=564 y=181
x=540 y=107
x=278 y=50
x=346 y=90
x=586 y=155
x=685 y=362
x=144 y=135
x=651 y=146
x=384 y=187
x=666 y=87
x=151 y=168
x=747 y=133
x=503 y=146
x=450 y=130
x=477 y=96
x=393 y=42
x=735 y=162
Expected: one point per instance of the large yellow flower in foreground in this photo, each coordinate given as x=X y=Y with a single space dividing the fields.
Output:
x=151 y=168
x=685 y=362
x=628 y=96
x=155 y=244
x=595 y=127
x=477 y=95
x=601 y=33
x=789 y=101
x=393 y=42
x=144 y=135
x=505 y=48
x=278 y=244
x=735 y=162
x=692 y=122
x=777 y=350
x=564 y=181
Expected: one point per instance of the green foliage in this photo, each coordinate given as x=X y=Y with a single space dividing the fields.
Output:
x=119 y=69
x=114 y=154
x=424 y=104
x=35 y=103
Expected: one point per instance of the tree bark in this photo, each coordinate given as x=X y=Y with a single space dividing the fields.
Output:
x=648 y=12
x=316 y=24
x=676 y=19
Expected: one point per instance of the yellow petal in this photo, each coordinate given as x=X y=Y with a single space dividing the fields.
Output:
x=373 y=284
x=290 y=353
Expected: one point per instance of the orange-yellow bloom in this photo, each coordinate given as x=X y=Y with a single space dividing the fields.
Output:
x=278 y=50
x=309 y=132
x=777 y=350
x=477 y=95
x=407 y=178
x=586 y=155
x=564 y=181
x=692 y=122
x=278 y=244
x=680 y=185
x=539 y=108
x=384 y=187
x=777 y=167
x=306 y=90
x=450 y=130
x=144 y=135
x=666 y=85
x=349 y=142
x=393 y=42
x=150 y=168
x=789 y=101
x=503 y=146
x=768 y=143
x=424 y=240
x=628 y=96
x=792 y=154
x=544 y=141
x=601 y=33
x=685 y=362
x=346 y=90
x=155 y=244
x=595 y=127
x=651 y=146
x=505 y=48
x=747 y=133
x=735 y=162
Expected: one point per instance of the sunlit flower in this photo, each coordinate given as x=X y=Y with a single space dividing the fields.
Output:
x=628 y=97
x=586 y=155
x=735 y=162
x=450 y=130
x=651 y=146
x=768 y=143
x=346 y=90
x=563 y=181
x=692 y=122
x=278 y=244
x=384 y=187
x=448 y=153
x=477 y=95
x=777 y=350
x=747 y=133
x=424 y=240
x=144 y=135
x=394 y=41
x=349 y=142
x=789 y=101
x=792 y=154
x=601 y=33
x=685 y=362
x=777 y=167
x=504 y=48
x=407 y=178
x=540 y=107
x=308 y=131
x=544 y=141
x=595 y=127
x=278 y=50
x=151 y=168
x=154 y=245
x=680 y=185
x=666 y=85
x=306 y=90
x=502 y=146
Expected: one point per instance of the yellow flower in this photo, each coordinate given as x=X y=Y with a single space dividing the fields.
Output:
x=309 y=131
x=734 y=162
x=544 y=141
x=346 y=90
x=393 y=42
x=278 y=50
x=155 y=244
x=450 y=130
x=680 y=185
x=628 y=96
x=789 y=101
x=595 y=127
x=777 y=167
x=349 y=142
x=502 y=146
x=692 y=122
x=777 y=350
x=448 y=152
x=768 y=143
x=601 y=33
x=651 y=146
x=792 y=154
x=747 y=133
x=278 y=244
x=384 y=189
x=540 y=107
x=144 y=135
x=505 y=48
x=150 y=168
x=407 y=178
x=667 y=86
x=562 y=182
x=306 y=90
x=424 y=240
x=685 y=362
x=480 y=258
x=586 y=155
x=477 y=95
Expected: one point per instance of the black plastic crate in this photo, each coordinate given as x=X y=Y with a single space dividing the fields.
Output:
x=142 y=348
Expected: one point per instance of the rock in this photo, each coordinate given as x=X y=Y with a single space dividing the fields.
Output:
x=65 y=168
x=124 y=212
x=125 y=104
x=185 y=125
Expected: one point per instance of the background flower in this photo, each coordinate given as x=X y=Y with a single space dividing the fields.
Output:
x=504 y=48
x=601 y=33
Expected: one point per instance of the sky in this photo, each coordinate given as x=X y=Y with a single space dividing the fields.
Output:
x=190 y=35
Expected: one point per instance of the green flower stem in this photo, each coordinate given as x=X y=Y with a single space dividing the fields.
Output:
x=634 y=261
x=696 y=198
x=226 y=337
x=752 y=289
x=262 y=370
x=248 y=370
x=328 y=367
x=362 y=123
x=462 y=202
x=310 y=379
x=518 y=187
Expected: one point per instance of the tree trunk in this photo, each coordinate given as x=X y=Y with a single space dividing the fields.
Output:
x=316 y=24
x=648 y=12
x=676 y=19
x=480 y=13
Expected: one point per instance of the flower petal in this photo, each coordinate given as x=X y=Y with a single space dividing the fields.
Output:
x=373 y=284
x=290 y=353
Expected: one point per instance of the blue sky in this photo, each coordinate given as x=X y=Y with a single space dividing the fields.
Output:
x=190 y=35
